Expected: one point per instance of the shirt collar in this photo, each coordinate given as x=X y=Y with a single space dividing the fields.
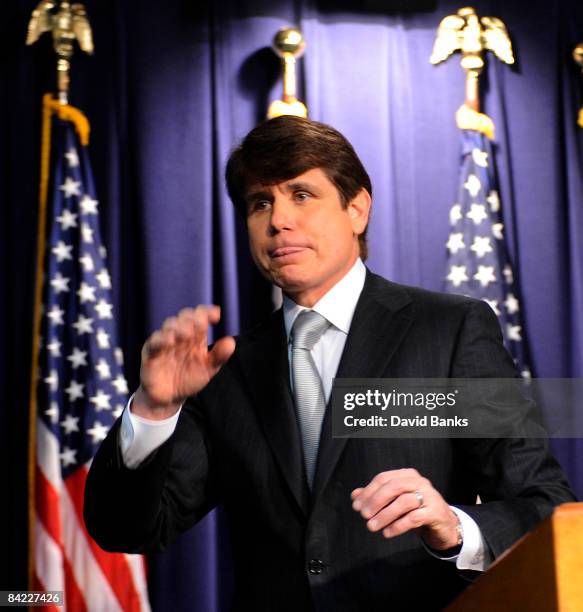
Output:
x=336 y=306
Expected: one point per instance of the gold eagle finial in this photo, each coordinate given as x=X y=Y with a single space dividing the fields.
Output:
x=472 y=35
x=67 y=22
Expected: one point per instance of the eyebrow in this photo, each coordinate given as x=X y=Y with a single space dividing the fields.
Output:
x=253 y=196
x=264 y=194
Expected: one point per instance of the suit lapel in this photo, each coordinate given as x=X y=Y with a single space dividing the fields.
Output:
x=265 y=366
x=380 y=322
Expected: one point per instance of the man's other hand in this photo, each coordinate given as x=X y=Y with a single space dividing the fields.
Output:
x=399 y=501
x=176 y=362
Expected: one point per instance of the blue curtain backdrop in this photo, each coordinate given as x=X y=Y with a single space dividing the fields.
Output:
x=171 y=89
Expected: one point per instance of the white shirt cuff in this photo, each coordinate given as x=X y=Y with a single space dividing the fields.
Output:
x=139 y=437
x=474 y=554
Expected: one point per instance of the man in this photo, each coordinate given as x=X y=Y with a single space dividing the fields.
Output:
x=317 y=523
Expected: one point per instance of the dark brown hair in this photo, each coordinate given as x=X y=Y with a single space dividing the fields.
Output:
x=285 y=147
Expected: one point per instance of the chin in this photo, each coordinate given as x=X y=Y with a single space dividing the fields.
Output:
x=290 y=282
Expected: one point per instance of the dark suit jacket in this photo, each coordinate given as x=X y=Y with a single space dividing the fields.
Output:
x=237 y=444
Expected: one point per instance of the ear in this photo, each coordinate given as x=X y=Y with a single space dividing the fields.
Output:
x=358 y=211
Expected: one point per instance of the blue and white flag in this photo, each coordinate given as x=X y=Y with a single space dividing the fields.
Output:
x=478 y=264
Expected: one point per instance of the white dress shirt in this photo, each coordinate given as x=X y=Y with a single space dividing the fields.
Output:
x=140 y=436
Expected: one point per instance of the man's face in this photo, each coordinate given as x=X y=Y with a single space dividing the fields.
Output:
x=300 y=236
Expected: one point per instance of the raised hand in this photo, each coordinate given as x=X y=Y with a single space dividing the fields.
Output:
x=176 y=362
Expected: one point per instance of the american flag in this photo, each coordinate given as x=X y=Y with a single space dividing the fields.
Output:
x=80 y=391
x=478 y=264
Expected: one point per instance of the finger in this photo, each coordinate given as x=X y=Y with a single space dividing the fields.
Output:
x=356 y=493
x=212 y=310
x=409 y=522
x=384 y=477
x=365 y=492
x=202 y=318
x=156 y=343
x=405 y=503
x=221 y=352
x=372 y=501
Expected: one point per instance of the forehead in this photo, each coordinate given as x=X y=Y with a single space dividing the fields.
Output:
x=314 y=178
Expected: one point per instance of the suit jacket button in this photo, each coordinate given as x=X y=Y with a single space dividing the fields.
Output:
x=315 y=566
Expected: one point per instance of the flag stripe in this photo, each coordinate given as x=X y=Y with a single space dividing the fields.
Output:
x=85 y=569
x=48 y=507
x=48 y=565
x=48 y=455
x=36 y=585
x=73 y=596
x=114 y=566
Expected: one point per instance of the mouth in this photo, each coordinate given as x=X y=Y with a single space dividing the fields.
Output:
x=286 y=251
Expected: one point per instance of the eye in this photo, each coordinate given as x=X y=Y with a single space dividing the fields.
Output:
x=258 y=206
x=302 y=196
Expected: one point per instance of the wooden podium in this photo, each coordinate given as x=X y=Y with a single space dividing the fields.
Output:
x=542 y=572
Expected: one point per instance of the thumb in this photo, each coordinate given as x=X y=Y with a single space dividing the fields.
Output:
x=221 y=352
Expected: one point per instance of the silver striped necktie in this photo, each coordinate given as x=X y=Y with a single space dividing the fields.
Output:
x=308 y=391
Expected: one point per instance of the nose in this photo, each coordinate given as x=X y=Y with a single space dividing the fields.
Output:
x=282 y=215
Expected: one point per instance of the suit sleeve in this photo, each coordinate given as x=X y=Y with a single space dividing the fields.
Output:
x=519 y=481
x=143 y=509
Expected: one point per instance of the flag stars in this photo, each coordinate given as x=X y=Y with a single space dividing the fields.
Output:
x=508 y=275
x=74 y=391
x=493 y=305
x=102 y=339
x=513 y=332
x=485 y=275
x=457 y=275
x=104 y=309
x=477 y=213
x=70 y=424
x=481 y=246
x=473 y=185
x=118 y=354
x=70 y=187
x=62 y=251
x=102 y=251
x=86 y=233
x=480 y=158
x=455 y=242
x=117 y=411
x=98 y=432
x=101 y=401
x=72 y=158
x=68 y=456
x=497 y=231
x=88 y=205
x=494 y=201
x=455 y=214
x=87 y=262
x=83 y=325
x=55 y=315
x=60 y=283
x=104 y=279
x=54 y=348
x=52 y=380
x=53 y=412
x=86 y=293
x=511 y=303
x=67 y=219
x=103 y=369
x=77 y=358
x=120 y=384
